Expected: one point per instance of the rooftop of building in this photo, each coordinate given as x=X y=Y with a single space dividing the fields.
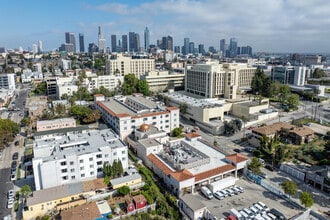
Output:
x=85 y=211
x=272 y=129
x=133 y=105
x=62 y=191
x=55 y=121
x=61 y=131
x=204 y=103
x=125 y=179
x=192 y=201
x=77 y=144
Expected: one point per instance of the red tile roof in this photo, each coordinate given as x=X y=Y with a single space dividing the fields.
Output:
x=272 y=129
x=98 y=95
x=172 y=108
x=192 y=135
x=214 y=172
x=139 y=198
x=179 y=175
x=236 y=158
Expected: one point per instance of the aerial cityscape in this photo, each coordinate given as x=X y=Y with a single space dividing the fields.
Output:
x=175 y=109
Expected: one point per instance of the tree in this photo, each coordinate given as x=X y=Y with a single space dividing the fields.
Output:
x=25 y=191
x=183 y=108
x=80 y=111
x=143 y=87
x=8 y=130
x=26 y=121
x=306 y=199
x=318 y=73
x=177 y=132
x=290 y=187
x=130 y=84
x=60 y=109
x=41 y=89
x=260 y=82
x=293 y=101
x=255 y=165
x=124 y=190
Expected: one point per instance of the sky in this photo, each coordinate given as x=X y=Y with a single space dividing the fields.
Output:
x=301 y=26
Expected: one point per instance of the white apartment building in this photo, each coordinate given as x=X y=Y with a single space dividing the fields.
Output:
x=214 y=80
x=47 y=125
x=63 y=87
x=125 y=113
x=8 y=81
x=29 y=76
x=121 y=64
x=159 y=81
x=76 y=156
x=110 y=82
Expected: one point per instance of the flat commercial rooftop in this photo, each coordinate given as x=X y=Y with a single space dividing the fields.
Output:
x=179 y=97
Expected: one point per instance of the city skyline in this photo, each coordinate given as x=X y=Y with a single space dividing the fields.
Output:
x=278 y=26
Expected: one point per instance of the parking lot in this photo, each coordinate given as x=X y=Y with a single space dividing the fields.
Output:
x=252 y=194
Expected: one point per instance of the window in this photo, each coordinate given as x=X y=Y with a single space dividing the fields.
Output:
x=106 y=155
x=91 y=159
x=92 y=173
x=64 y=170
x=81 y=161
x=82 y=168
x=72 y=170
x=114 y=153
x=64 y=177
x=154 y=117
x=99 y=156
x=123 y=159
x=99 y=163
x=73 y=177
x=82 y=175
x=123 y=152
x=91 y=166
x=71 y=162
x=63 y=163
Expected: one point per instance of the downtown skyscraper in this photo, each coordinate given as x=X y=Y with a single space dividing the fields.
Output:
x=124 y=43
x=113 y=43
x=102 y=41
x=146 y=39
x=81 y=43
x=70 y=40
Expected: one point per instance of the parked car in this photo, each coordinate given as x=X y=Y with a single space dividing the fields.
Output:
x=236 y=191
x=10 y=194
x=230 y=192
x=224 y=193
x=15 y=156
x=14 y=164
x=269 y=167
x=218 y=195
x=263 y=175
x=10 y=203
x=237 y=150
x=13 y=177
x=240 y=188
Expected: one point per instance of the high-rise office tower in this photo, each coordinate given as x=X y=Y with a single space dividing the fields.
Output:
x=81 y=43
x=40 y=49
x=70 y=39
x=131 y=41
x=34 y=48
x=222 y=46
x=102 y=41
x=169 y=43
x=233 y=47
x=113 y=43
x=137 y=42
x=201 y=49
x=191 y=47
x=146 y=39
x=177 y=49
x=124 y=46
x=186 y=46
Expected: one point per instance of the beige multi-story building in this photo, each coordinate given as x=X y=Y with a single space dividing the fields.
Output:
x=213 y=80
x=137 y=65
x=47 y=125
x=159 y=81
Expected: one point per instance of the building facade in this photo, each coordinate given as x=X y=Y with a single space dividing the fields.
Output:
x=159 y=81
x=137 y=65
x=47 y=125
x=8 y=81
x=125 y=113
x=76 y=156
x=293 y=75
x=213 y=80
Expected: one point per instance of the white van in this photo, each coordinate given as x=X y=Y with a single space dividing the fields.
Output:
x=248 y=211
x=266 y=217
x=207 y=193
x=272 y=216
x=260 y=209
x=254 y=210
x=235 y=213
x=263 y=206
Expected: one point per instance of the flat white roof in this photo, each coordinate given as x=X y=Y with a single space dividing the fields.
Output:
x=216 y=157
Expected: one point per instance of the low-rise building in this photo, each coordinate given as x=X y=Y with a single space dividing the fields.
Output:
x=8 y=81
x=60 y=197
x=296 y=135
x=76 y=156
x=160 y=81
x=139 y=201
x=183 y=164
x=130 y=181
x=29 y=76
x=319 y=177
x=125 y=113
x=47 y=125
x=192 y=207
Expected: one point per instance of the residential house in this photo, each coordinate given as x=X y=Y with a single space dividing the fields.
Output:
x=139 y=201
